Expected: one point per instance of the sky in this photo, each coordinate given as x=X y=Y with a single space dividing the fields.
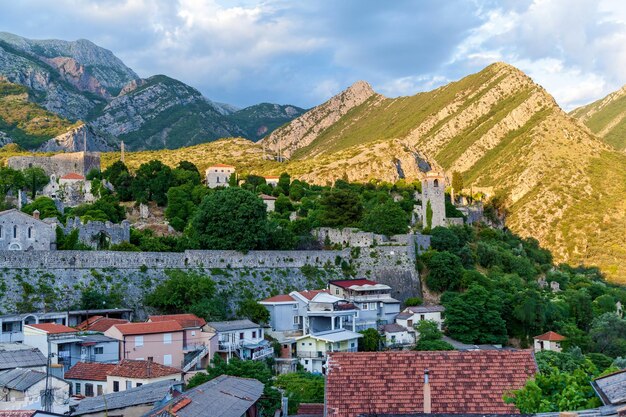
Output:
x=303 y=52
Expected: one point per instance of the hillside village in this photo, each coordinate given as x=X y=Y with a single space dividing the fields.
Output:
x=99 y=353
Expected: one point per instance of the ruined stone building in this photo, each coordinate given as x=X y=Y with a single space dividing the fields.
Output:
x=19 y=231
x=99 y=235
x=433 y=192
x=61 y=164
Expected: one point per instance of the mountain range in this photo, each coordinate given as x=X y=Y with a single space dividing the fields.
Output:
x=564 y=175
x=80 y=81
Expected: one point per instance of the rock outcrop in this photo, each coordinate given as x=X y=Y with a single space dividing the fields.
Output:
x=78 y=139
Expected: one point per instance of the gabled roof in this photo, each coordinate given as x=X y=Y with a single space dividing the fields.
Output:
x=145 y=394
x=23 y=358
x=224 y=396
x=271 y=177
x=267 y=197
x=392 y=328
x=21 y=213
x=90 y=371
x=72 y=176
x=185 y=320
x=226 y=326
x=392 y=382
x=324 y=297
x=426 y=309
x=20 y=379
x=309 y=294
x=611 y=388
x=550 y=336
x=128 y=368
x=52 y=328
x=99 y=324
x=279 y=299
x=148 y=328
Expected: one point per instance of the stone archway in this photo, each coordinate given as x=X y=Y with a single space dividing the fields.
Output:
x=15 y=246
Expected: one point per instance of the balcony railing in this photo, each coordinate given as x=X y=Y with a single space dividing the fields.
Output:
x=309 y=354
x=263 y=353
x=194 y=346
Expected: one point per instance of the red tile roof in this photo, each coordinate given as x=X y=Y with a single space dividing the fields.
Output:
x=185 y=320
x=52 y=328
x=309 y=294
x=347 y=283
x=221 y=166
x=149 y=328
x=72 y=176
x=128 y=368
x=311 y=409
x=267 y=197
x=181 y=404
x=17 y=413
x=99 y=324
x=392 y=382
x=550 y=336
x=91 y=371
x=283 y=298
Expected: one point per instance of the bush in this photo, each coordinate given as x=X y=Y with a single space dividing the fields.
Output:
x=445 y=271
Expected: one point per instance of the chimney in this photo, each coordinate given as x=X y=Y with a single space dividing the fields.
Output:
x=36 y=214
x=427 y=405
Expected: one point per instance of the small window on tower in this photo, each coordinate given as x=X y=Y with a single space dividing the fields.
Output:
x=436 y=183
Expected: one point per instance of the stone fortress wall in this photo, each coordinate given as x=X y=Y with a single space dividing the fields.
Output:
x=59 y=164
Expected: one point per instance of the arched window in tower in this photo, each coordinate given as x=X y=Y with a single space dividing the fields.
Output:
x=1 y=232
x=436 y=183
x=31 y=233
x=15 y=232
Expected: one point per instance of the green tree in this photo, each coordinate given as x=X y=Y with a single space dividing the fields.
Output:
x=151 y=182
x=93 y=299
x=413 y=301
x=301 y=387
x=283 y=205
x=340 y=208
x=232 y=218
x=444 y=239
x=46 y=207
x=457 y=181
x=608 y=333
x=180 y=206
x=604 y=304
x=429 y=215
x=186 y=173
x=371 y=341
x=430 y=337
x=253 y=182
x=187 y=291
x=10 y=180
x=35 y=179
x=386 y=219
x=444 y=271
x=474 y=316
x=254 y=311
x=284 y=182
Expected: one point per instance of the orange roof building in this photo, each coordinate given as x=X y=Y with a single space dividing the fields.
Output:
x=548 y=341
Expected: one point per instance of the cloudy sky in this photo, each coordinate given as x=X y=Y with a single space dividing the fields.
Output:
x=303 y=52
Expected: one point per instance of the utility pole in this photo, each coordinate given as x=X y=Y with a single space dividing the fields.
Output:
x=122 y=155
x=85 y=138
x=47 y=394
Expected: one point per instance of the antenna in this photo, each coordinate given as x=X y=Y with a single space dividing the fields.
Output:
x=85 y=138
x=122 y=155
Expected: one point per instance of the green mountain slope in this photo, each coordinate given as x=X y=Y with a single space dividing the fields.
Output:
x=24 y=122
x=606 y=118
x=261 y=119
x=503 y=132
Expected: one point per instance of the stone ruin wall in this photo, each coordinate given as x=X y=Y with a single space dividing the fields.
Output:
x=60 y=164
x=137 y=273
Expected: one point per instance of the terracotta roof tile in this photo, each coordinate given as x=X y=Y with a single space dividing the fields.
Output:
x=221 y=166
x=149 y=328
x=347 y=283
x=392 y=382
x=72 y=176
x=267 y=197
x=52 y=328
x=99 y=324
x=128 y=368
x=311 y=408
x=17 y=413
x=283 y=298
x=185 y=320
x=550 y=336
x=91 y=371
x=310 y=294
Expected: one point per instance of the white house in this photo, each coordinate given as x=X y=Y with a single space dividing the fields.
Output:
x=89 y=378
x=548 y=341
x=411 y=316
x=269 y=201
x=272 y=180
x=396 y=335
x=135 y=373
x=312 y=349
x=24 y=389
x=218 y=175
x=240 y=338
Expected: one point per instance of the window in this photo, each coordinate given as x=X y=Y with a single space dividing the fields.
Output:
x=77 y=390
x=260 y=333
x=129 y=385
x=7 y=327
x=310 y=344
x=138 y=384
x=372 y=306
x=306 y=361
x=150 y=358
x=138 y=341
x=31 y=233
x=0 y=232
x=14 y=232
x=295 y=306
x=89 y=390
x=422 y=317
x=193 y=332
x=98 y=350
x=436 y=183
x=296 y=319
x=409 y=323
x=303 y=344
x=336 y=290
x=167 y=338
x=167 y=359
x=241 y=336
x=99 y=389
x=218 y=179
x=365 y=306
x=116 y=386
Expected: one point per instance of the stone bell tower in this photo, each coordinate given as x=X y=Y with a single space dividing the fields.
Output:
x=433 y=191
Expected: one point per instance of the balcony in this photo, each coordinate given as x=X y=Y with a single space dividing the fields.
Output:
x=263 y=353
x=193 y=347
x=308 y=354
